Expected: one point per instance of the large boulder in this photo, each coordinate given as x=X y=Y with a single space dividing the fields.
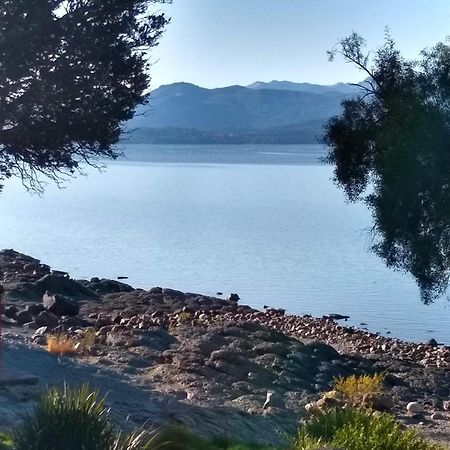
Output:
x=58 y=284
x=24 y=317
x=105 y=286
x=46 y=319
x=173 y=293
x=60 y=305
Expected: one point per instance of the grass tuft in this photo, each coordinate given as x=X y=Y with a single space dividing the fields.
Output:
x=67 y=419
x=61 y=345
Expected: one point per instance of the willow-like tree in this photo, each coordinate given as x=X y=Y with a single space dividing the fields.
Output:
x=71 y=71
x=391 y=149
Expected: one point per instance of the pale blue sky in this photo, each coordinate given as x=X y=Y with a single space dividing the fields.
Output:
x=216 y=43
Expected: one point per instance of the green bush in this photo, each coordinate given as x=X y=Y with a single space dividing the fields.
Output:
x=358 y=429
x=178 y=438
x=5 y=442
x=67 y=419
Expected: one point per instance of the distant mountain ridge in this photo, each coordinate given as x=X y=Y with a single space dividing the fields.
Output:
x=273 y=112
x=339 y=88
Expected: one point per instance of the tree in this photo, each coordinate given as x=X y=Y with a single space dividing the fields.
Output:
x=391 y=149
x=71 y=71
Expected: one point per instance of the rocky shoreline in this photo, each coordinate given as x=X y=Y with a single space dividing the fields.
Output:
x=211 y=364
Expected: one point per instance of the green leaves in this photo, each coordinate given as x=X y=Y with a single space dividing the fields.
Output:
x=391 y=149
x=70 y=73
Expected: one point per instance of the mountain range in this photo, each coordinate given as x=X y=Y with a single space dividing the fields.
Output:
x=277 y=112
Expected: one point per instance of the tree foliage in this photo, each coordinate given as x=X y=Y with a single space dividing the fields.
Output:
x=391 y=149
x=71 y=71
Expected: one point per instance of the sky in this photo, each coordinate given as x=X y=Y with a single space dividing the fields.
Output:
x=215 y=43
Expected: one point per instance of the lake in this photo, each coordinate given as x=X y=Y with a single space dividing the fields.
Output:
x=263 y=221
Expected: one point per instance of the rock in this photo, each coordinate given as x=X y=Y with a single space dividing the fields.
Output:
x=337 y=317
x=119 y=340
x=379 y=402
x=105 y=286
x=233 y=298
x=432 y=342
x=273 y=400
x=156 y=290
x=312 y=408
x=24 y=317
x=173 y=293
x=446 y=405
x=40 y=340
x=10 y=311
x=103 y=322
x=275 y=311
x=103 y=331
x=74 y=321
x=60 y=305
x=414 y=408
x=327 y=402
x=322 y=350
x=46 y=319
x=33 y=291
x=40 y=331
x=436 y=416
x=35 y=308
x=334 y=394
x=60 y=329
x=31 y=325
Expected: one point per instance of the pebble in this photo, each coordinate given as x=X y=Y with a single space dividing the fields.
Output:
x=414 y=408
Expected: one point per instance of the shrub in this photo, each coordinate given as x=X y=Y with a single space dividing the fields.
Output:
x=88 y=339
x=67 y=419
x=61 y=345
x=179 y=438
x=358 y=429
x=5 y=442
x=356 y=387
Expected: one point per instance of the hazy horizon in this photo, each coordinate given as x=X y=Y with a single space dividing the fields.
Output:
x=255 y=81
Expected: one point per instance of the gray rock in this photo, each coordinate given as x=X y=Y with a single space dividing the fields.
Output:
x=173 y=293
x=33 y=291
x=74 y=321
x=273 y=400
x=10 y=311
x=60 y=305
x=40 y=340
x=35 y=308
x=105 y=286
x=156 y=290
x=24 y=317
x=41 y=331
x=46 y=319
x=31 y=325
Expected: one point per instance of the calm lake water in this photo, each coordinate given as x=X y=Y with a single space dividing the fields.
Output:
x=263 y=221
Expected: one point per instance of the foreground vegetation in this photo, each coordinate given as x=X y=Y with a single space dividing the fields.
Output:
x=358 y=429
x=76 y=419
